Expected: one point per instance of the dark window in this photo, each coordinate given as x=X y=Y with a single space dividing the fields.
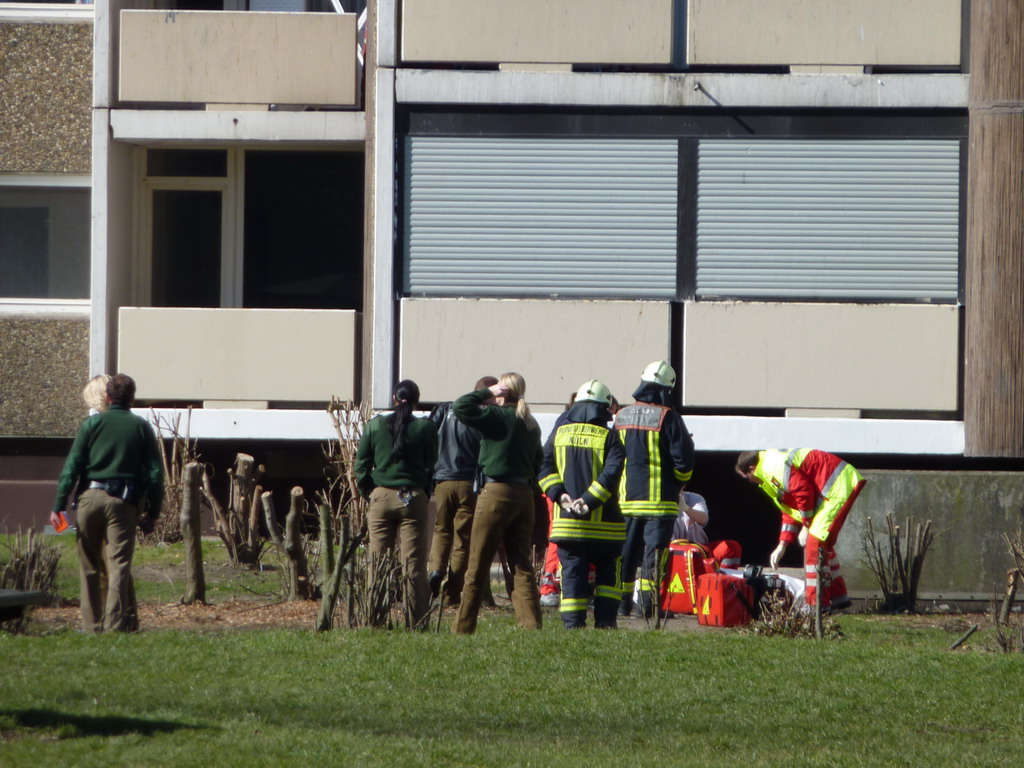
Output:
x=44 y=243
x=304 y=230
x=186 y=248
x=187 y=162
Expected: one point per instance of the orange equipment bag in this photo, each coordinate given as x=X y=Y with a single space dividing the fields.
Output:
x=687 y=561
x=723 y=601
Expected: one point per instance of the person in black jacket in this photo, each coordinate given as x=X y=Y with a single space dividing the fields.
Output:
x=455 y=475
x=659 y=463
x=583 y=460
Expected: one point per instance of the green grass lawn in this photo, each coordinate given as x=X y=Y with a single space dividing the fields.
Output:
x=889 y=694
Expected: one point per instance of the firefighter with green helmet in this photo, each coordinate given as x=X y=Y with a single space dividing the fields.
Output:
x=659 y=463
x=583 y=461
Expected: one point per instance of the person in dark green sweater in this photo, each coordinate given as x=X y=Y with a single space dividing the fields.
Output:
x=510 y=458
x=393 y=468
x=116 y=458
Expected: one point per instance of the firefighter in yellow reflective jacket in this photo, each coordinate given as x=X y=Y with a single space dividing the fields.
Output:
x=659 y=463
x=582 y=462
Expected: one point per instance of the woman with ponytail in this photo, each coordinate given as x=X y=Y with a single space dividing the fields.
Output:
x=393 y=467
x=510 y=458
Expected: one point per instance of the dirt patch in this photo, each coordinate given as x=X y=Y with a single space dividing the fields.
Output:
x=229 y=615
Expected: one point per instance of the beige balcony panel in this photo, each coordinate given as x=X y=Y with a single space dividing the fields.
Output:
x=447 y=344
x=538 y=31
x=899 y=357
x=922 y=33
x=277 y=355
x=238 y=58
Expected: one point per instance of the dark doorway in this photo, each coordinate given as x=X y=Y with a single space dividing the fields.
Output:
x=304 y=230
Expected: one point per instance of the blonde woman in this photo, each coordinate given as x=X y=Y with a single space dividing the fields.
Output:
x=510 y=458
x=95 y=393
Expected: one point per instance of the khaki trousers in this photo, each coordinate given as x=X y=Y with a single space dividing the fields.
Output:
x=504 y=514
x=449 y=550
x=106 y=543
x=388 y=519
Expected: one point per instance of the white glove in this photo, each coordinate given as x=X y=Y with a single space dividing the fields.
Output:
x=565 y=501
x=580 y=508
x=802 y=537
x=776 y=555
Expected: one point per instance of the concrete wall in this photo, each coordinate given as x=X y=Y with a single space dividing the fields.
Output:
x=970 y=511
x=44 y=363
x=824 y=32
x=447 y=344
x=45 y=91
x=247 y=355
x=238 y=58
x=845 y=356
x=538 y=31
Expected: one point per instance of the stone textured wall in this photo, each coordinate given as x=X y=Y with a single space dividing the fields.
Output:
x=44 y=363
x=45 y=98
x=969 y=512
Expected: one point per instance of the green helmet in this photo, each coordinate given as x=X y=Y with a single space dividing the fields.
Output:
x=594 y=392
x=660 y=373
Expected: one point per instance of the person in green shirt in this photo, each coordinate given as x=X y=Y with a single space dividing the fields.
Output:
x=510 y=457
x=394 y=464
x=116 y=459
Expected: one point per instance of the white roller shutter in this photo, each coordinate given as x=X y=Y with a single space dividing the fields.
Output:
x=540 y=217
x=849 y=219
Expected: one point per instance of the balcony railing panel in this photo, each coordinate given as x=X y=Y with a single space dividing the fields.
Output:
x=221 y=57
x=538 y=31
x=920 y=33
x=239 y=355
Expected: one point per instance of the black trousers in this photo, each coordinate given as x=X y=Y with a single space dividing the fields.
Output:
x=645 y=538
x=576 y=557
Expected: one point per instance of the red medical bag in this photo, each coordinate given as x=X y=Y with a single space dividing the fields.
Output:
x=723 y=601
x=687 y=562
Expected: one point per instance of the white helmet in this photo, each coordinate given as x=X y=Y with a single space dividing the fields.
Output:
x=660 y=373
x=594 y=392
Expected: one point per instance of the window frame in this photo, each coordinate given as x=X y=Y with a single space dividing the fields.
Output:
x=36 y=306
x=231 y=232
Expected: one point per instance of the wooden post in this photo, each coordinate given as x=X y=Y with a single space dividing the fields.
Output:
x=994 y=335
x=326 y=544
x=293 y=547
x=821 y=568
x=1012 y=582
x=195 y=580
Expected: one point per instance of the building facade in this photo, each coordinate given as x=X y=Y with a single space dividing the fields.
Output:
x=294 y=200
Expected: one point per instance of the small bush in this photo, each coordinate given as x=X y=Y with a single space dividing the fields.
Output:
x=779 y=617
x=31 y=565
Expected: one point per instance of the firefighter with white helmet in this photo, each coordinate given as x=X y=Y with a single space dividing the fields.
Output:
x=659 y=463
x=583 y=460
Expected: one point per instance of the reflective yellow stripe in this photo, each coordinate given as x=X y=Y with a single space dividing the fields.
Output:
x=682 y=477
x=587 y=529
x=572 y=604
x=599 y=492
x=603 y=590
x=654 y=464
x=549 y=480
x=642 y=507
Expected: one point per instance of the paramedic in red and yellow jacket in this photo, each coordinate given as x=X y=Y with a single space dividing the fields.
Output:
x=815 y=490
x=659 y=463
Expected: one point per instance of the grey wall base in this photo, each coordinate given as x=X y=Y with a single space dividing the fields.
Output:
x=970 y=512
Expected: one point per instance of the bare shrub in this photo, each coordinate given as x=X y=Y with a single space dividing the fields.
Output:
x=342 y=512
x=238 y=521
x=1009 y=629
x=897 y=566
x=30 y=565
x=779 y=617
x=182 y=451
